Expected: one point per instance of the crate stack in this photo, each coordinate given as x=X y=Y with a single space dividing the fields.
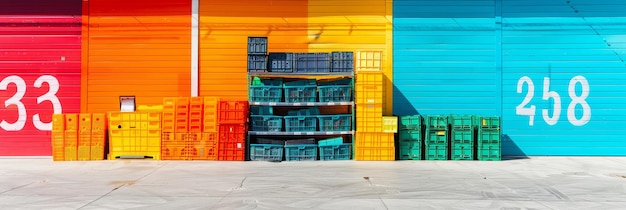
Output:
x=194 y=136
x=436 y=137
x=462 y=137
x=135 y=134
x=98 y=136
x=371 y=142
x=78 y=137
x=257 y=54
x=489 y=139
x=334 y=149
x=58 y=137
x=232 y=129
x=410 y=138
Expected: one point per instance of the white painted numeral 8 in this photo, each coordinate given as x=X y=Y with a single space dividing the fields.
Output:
x=16 y=100
x=522 y=110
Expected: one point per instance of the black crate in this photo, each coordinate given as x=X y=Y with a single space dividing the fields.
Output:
x=257 y=45
x=282 y=62
x=313 y=62
x=301 y=141
x=257 y=63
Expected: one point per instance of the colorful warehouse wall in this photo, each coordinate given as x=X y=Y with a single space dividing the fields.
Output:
x=40 y=71
x=553 y=70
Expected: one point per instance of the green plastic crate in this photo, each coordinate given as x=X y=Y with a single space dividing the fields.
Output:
x=336 y=152
x=331 y=141
x=436 y=152
x=437 y=122
x=489 y=137
x=463 y=152
x=462 y=122
x=412 y=122
x=490 y=122
x=462 y=137
x=436 y=137
x=490 y=152
x=410 y=150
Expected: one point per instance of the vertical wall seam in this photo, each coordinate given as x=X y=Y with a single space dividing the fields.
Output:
x=498 y=57
x=195 y=48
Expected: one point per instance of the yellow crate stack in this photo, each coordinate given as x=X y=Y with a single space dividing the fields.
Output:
x=135 y=134
x=98 y=136
x=58 y=137
x=78 y=137
x=84 y=137
x=371 y=143
x=71 y=137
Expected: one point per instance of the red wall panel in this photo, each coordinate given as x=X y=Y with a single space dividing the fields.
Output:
x=40 y=71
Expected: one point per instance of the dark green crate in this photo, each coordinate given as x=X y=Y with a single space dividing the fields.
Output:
x=409 y=135
x=489 y=137
x=436 y=137
x=489 y=152
x=490 y=122
x=462 y=122
x=437 y=122
x=463 y=152
x=410 y=150
x=462 y=137
x=436 y=152
x=412 y=122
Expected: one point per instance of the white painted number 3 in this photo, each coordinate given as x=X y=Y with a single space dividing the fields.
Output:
x=16 y=100
x=581 y=100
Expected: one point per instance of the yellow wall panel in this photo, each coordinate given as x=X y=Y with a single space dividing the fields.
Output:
x=350 y=25
x=224 y=30
x=140 y=48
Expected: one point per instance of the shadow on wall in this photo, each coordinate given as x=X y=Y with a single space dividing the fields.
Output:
x=510 y=150
x=401 y=105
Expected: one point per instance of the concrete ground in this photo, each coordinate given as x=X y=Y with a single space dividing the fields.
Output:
x=536 y=183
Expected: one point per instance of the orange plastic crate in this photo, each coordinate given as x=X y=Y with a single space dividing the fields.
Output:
x=98 y=122
x=231 y=151
x=169 y=104
x=233 y=112
x=195 y=104
x=84 y=138
x=375 y=153
x=381 y=140
x=232 y=133
x=71 y=122
x=58 y=122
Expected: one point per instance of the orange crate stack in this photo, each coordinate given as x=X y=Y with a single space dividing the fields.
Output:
x=182 y=114
x=195 y=114
x=210 y=110
x=57 y=137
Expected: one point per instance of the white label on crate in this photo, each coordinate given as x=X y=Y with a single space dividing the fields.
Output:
x=272 y=103
x=263 y=133
x=310 y=104
x=256 y=103
x=296 y=104
x=297 y=133
x=309 y=133
x=238 y=145
x=330 y=133
x=331 y=103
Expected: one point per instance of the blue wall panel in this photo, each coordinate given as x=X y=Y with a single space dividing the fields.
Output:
x=552 y=43
x=482 y=57
x=443 y=57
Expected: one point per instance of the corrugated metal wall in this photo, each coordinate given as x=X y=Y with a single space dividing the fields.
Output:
x=444 y=54
x=552 y=69
x=140 y=48
x=40 y=70
x=572 y=54
x=351 y=25
x=224 y=30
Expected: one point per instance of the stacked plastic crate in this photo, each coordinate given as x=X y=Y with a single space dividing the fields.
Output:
x=98 y=136
x=371 y=142
x=232 y=129
x=78 y=137
x=194 y=136
x=436 y=137
x=71 y=137
x=257 y=54
x=334 y=149
x=410 y=138
x=489 y=139
x=135 y=134
x=58 y=137
x=462 y=137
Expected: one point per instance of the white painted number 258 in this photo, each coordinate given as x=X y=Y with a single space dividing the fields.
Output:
x=530 y=111
x=16 y=100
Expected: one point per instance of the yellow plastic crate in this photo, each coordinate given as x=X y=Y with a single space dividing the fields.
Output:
x=84 y=122
x=58 y=145
x=115 y=116
x=84 y=152
x=378 y=140
x=135 y=142
x=375 y=153
x=390 y=124
x=368 y=94
x=147 y=108
x=369 y=118
x=98 y=122
x=58 y=122
x=369 y=61
x=71 y=122
x=71 y=153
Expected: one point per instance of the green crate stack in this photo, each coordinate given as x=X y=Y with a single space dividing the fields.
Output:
x=462 y=136
x=410 y=137
x=436 y=137
x=489 y=139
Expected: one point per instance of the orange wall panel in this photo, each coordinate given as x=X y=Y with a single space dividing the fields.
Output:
x=140 y=48
x=348 y=25
x=224 y=30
